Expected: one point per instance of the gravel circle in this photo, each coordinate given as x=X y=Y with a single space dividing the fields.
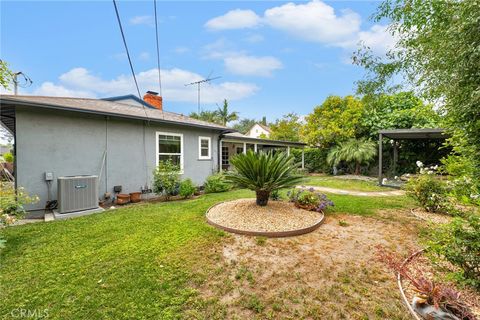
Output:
x=430 y=216
x=277 y=217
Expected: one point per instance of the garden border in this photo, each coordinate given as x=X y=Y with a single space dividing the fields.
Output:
x=269 y=234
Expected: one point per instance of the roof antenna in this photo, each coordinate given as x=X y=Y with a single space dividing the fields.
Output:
x=198 y=83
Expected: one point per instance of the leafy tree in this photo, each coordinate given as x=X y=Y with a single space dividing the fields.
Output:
x=358 y=151
x=244 y=125
x=287 y=128
x=263 y=173
x=436 y=53
x=337 y=119
x=6 y=75
x=225 y=115
x=402 y=110
x=206 y=115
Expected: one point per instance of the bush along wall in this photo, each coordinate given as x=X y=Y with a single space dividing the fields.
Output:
x=315 y=159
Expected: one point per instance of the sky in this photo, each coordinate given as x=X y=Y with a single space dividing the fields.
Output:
x=273 y=57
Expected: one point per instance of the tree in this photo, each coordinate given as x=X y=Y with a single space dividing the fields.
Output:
x=244 y=125
x=403 y=110
x=436 y=53
x=225 y=115
x=337 y=119
x=263 y=173
x=6 y=75
x=287 y=128
x=206 y=115
x=358 y=151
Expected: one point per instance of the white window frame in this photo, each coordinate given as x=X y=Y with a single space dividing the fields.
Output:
x=157 y=134
x=209 y=156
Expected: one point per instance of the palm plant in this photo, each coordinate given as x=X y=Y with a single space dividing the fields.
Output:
x=225 y=115
x=354 y=150
x=264 y=173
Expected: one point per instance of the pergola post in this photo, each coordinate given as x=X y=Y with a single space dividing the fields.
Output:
x=380 y=158
x=255 y=148
x=288 y=150
x=303 y=158
x=244 y=148
x=395 y=156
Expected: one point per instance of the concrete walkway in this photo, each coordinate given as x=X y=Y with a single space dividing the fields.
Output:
x=357 y=193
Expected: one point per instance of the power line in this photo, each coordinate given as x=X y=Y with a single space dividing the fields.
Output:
x=158 y=47
x=126 y=48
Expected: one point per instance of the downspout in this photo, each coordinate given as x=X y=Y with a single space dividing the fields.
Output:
x=219 y=151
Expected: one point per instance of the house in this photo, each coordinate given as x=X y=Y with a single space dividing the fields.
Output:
x=259 y=130
x=119 y=139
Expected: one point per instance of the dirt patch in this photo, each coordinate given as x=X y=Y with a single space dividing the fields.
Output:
x=431 y=217
x=277 y=216
x=330 y=273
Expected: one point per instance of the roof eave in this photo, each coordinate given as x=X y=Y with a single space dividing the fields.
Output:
x=48 y=106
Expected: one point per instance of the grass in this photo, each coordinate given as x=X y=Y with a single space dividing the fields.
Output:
x=346 y=184
x=144 y=261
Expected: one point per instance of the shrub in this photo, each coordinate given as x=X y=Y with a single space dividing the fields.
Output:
x=459 y=243
x=357 y=151
x=429 y=191
x=309 y=199
x=263 y=173
x=275 y=195
x=12 y=202
x=187 y=188
x=8 y=157
x=217 y=183
x=315 y=159
x=166 y=178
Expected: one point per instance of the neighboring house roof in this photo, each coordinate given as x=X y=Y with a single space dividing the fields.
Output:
x=236 y=136
x=264 y=127
x=109 y=108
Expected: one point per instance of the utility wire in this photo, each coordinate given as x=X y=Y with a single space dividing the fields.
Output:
x=138 y=90
x=158 y=48
x=126 y=48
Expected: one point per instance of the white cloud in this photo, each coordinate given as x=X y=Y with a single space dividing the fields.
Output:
x=314 y=21
x=181 y=50
x=142 y=20
x=251 y=65
x=79 y=82
x=234 y=19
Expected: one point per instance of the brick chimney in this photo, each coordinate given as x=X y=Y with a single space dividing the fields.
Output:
x=152 y=98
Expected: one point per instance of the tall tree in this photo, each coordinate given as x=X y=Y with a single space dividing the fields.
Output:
x=6 y=75
x=244 y=125
x=336 y=119
x=287 y=128
x=437 y=53
x=206 y=115
x=402 y=110
x=225 y=115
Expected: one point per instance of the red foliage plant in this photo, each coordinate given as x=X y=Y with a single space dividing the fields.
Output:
x=439 y=295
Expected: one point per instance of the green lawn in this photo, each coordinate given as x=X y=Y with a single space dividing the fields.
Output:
x=137 y=262
x=351 y=184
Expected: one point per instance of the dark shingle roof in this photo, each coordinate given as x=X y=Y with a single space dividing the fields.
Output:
x=105 y=107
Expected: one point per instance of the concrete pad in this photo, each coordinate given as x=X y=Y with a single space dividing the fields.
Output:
x=60 y=216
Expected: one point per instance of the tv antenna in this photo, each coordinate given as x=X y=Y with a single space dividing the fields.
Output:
x=199 y=83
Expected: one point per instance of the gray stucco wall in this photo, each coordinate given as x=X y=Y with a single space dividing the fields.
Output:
x=71 y=143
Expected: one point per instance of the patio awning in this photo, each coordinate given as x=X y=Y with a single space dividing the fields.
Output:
x=238 y=137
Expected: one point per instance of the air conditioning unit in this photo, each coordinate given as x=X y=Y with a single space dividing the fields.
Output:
x=77 y=193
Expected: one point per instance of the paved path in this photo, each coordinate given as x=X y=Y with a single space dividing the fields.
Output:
x=357 y=193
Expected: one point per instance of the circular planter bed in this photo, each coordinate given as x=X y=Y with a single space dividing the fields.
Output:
x=277 y=219
x=436 y=218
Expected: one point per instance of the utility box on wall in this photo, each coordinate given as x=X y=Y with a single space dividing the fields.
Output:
x=77 y=193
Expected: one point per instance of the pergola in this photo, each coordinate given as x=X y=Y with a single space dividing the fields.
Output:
x=404 y=134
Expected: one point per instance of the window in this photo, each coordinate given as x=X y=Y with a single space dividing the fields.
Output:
x=225 y=156
x=170 y=147
x=204 y=147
